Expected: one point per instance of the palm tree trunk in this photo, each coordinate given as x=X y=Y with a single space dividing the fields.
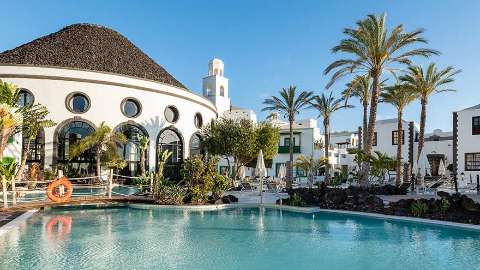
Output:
x=290 y=166
x=398 y=180
x=6 y=132
x=4 y=189
x=423 y=119
x=365 y=124
x=142 y=161
x=98 y=162
x=23 y=162
x=371 y=123
x=326 y=126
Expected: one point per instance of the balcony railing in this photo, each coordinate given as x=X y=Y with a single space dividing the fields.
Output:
x=286 y=149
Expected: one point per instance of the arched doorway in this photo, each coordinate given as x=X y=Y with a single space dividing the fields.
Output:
x=170 y=139
x=131 y=150
x=69 y=134
x=196 y=145
x=36 y=149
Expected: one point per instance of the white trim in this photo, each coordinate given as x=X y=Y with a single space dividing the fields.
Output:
x=15 y=223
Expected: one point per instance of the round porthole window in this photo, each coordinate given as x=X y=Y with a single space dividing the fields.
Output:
x=198 y=120
x=131 y=107
x=78 y=102
x=171 y=114
x=25 y=98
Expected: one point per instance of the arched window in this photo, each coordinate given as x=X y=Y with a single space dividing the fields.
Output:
x=222 y=91
x=35 y=148
x=196 y=145
x=170 y=140
x=70 y=134
x=130 y=151
x=25 y=98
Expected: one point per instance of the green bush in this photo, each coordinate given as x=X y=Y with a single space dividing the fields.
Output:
x=418 y=208
x=296 y=200
x=201 y=178
x=445 y=206
x=167 y=192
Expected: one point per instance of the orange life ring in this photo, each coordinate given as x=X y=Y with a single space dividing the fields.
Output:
x=52 y=190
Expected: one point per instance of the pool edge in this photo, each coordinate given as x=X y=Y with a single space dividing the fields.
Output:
x=15 y=223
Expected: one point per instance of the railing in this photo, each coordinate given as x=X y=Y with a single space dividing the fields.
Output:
x=286 y=149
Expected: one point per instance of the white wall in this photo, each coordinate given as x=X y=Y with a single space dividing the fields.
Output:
x=51 y=86
x=467 y=143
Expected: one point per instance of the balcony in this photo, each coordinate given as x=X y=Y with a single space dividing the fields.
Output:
x=286 y=149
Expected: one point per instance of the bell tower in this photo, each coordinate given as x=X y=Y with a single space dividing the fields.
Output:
x=215 y=86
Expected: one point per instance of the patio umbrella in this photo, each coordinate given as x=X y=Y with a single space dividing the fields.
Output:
x=421 y=168
x=441 y=168
x=282 y=171
x=261 y=171
x=241 y=172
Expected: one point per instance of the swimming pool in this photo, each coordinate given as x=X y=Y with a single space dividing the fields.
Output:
x=248 y=238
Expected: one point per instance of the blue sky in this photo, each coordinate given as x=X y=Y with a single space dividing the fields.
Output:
x=267 y=45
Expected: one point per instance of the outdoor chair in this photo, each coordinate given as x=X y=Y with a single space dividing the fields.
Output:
x=430 y=189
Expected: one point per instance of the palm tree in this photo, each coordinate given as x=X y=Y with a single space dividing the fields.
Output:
x=8 y=166
x=32 y=124
x=105 y=142
x=398 y=96
x=143 y=144
x=310 y=165
x=289 y=104
x=360 y=87
x=375 y=50
x=326 y=106
x=381 y=163
x=10 y=121
x=426 y=83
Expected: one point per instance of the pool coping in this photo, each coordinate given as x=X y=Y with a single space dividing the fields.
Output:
x=16 y=222
x=307 y=210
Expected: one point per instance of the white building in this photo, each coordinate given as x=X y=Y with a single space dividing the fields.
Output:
x=466 y=144
x=85 y=74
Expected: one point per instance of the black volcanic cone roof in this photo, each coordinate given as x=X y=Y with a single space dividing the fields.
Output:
x=89 y=47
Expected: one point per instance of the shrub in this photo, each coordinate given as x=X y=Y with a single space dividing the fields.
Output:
x=445 y=206
x=201 y=178
x=167 y=192
x=418 y=208
x=296 y=200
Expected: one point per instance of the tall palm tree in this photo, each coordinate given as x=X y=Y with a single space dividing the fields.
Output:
x=326 y=106
x=375 y=50
x=360 y=87
x=289 y=104
x=426 y=83
x=398 y=96
x=105 y=141
x=8 y=166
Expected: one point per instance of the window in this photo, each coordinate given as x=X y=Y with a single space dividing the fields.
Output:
x=25 y=98
x=395 y=137
x=476 y=125
x=196 y=145
x=472 y=161
x=416 y=136
x=286 y=141
x=198 y=120
x=130 y=151
x=222 y=91
x=374 y=143
x=344 y=156
x=78 y=103
x=171 y=114
x=131 y=107
x=170 y=140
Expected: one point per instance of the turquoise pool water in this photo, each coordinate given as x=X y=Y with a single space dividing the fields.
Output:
x=127 y=238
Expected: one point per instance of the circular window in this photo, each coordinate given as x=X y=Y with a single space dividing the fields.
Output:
x=25 y=98
x=78 y=102
x=131 y=107
x=198 y=120
x=171 y=114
